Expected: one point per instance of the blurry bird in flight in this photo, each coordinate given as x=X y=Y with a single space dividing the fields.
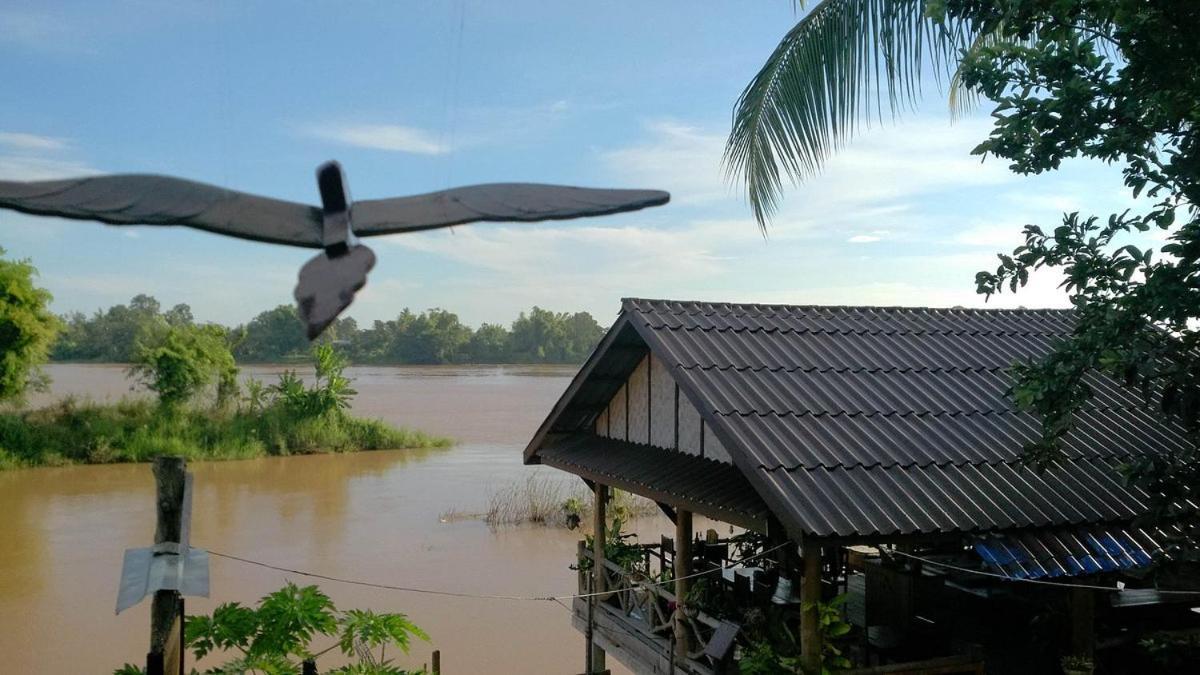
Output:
x=328 y=281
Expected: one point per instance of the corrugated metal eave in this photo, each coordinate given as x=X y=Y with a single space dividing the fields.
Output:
x=899 y=501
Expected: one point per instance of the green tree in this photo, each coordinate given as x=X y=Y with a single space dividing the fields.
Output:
x=491 y=343
x=27 y=328
x=540 y=337
x=1117 y=81
x=179 y=315
x=583 y=334
x=178 y=362
x=431 y=337
x=272 y=336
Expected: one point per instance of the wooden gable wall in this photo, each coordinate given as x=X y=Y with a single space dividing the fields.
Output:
x=649 y=409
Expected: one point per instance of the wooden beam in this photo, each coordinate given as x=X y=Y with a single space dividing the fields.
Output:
x=683 y=569
x=810 y=597
x=595 y=660
x=667 y=510
x=1083 y=622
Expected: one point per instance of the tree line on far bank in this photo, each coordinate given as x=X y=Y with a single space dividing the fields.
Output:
x=431 y=337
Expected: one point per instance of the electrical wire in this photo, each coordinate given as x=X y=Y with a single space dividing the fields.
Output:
x=479 y=596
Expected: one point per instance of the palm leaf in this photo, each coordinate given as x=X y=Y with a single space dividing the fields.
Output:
x=844 y=62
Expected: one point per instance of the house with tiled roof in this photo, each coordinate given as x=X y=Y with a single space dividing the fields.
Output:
x=858 y=442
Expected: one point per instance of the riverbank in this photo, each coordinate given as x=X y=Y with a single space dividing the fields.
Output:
x=134 y=430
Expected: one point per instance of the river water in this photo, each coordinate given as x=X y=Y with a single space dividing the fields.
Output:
x=373 y=516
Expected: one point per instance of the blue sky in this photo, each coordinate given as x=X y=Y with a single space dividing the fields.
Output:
x=420 y=96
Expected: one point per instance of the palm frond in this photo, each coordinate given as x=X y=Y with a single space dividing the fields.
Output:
x=962 y=99
x=844 y=62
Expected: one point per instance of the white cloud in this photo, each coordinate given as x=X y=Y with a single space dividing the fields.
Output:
x=31 y=157
x=23 y=141
x=682 y=159
x=870 y=237
x=17 y=167
x=543 y=252
x=877 y=176
x=1041 y=292
x=388 y=137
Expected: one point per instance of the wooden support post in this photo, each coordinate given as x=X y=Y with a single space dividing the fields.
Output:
x=595 y=655
x=1083 y=622
x=683 y=569
x=166 y=610
x=437 y=662
x=810 y=596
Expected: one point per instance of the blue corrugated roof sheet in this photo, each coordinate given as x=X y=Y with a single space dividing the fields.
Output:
x=1062 y=552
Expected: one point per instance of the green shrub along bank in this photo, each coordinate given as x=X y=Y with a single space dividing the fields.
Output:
x=135 y=431
x=284 y=418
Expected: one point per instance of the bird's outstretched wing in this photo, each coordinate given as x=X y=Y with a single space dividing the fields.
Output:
x=495 y=202
x=162 y=200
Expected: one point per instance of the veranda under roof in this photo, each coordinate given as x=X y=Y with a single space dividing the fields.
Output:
x=861 y=423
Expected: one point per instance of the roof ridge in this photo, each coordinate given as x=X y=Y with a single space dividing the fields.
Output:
x=625 y=302
x=901 y=413
x=863 y=331
x=870 y=370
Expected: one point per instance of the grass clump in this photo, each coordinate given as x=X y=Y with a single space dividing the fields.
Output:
x=542 y=500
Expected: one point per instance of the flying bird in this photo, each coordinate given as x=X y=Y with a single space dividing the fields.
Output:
x=329 y=281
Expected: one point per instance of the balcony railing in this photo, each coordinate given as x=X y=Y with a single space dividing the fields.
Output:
x=636 y=616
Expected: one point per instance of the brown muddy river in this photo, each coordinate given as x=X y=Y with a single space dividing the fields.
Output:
x=372 y=516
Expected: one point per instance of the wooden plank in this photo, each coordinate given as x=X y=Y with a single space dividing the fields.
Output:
x=638 y=391
x=662 y=404
x=618 y=420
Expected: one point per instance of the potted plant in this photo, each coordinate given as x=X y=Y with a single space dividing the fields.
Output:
x=1077 y=665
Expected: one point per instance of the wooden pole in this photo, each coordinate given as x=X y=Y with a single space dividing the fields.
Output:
x=596 y=660
x=437 y=662
x=810 y=597
x=1083 y=622
x=683 y=569
x=166 y=610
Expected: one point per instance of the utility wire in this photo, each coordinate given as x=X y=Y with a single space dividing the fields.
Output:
x=481 y=596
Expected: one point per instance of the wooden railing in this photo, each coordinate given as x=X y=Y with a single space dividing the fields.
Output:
x=649 y=607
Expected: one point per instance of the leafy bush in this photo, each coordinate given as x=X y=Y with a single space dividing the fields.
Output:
x=27 y=328
x=178 y=362
x=330 y=395
x=276 y=636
